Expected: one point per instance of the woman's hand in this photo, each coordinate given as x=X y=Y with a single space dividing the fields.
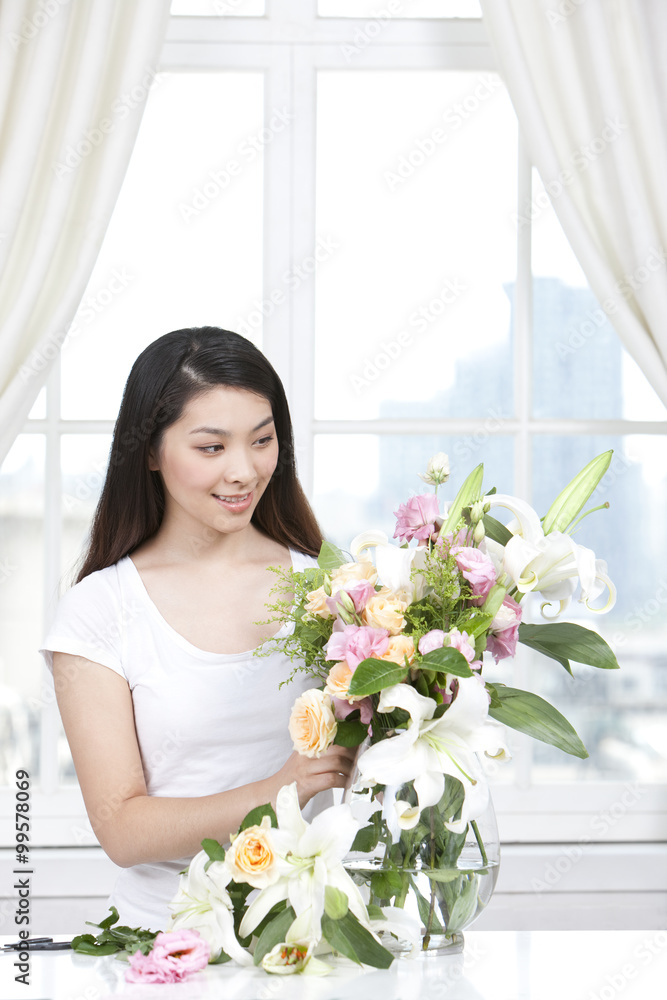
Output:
x=316 y=774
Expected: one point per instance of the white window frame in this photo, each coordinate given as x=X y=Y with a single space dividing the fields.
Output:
x=290 y=49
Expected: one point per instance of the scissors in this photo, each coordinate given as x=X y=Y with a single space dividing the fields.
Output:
x=36 y=944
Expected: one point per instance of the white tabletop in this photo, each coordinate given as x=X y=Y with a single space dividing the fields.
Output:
x=495 y=965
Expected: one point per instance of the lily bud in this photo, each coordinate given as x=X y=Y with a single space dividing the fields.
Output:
x=477 y=512
x=479 y=532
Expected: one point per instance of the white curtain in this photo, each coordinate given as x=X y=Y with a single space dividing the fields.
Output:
x=588 y=80
x=74 y=77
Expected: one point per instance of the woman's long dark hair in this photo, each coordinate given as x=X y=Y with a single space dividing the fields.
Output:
x=164 y=378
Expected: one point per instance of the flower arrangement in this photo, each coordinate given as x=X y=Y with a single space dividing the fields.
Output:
x=398 y=645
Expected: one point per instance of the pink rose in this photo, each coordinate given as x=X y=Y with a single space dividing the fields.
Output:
x=416 y=518
x=358 y=591
x=504 y=631
x=174 y=956
x=355 y=643
x=476 y=568
x=434 y=639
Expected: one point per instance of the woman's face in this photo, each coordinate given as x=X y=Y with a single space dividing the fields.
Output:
x=217 y=459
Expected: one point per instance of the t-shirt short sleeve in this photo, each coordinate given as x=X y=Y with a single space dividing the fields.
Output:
x=89 y=622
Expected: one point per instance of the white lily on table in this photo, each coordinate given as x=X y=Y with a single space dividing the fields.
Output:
x=309 y=857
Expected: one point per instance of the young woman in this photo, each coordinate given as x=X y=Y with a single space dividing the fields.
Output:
x=176 y=729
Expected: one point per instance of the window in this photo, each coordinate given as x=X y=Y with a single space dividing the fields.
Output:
x=358 y=202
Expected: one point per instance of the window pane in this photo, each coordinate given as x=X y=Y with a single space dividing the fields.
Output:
x=84 y=463
x=413 y=303
x=184 y=247
x=21 y=585
x=218 y=8
x=620 y=715
x=580 y=366
x=398 y=8
x=381 y=472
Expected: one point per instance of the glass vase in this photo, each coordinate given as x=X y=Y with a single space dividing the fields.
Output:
x=442 y=878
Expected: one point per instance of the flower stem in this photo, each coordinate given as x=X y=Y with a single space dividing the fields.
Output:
x=427 y=936
x=480 y=842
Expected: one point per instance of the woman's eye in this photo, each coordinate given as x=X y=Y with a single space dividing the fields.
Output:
x=265 y=440
x=211 y=449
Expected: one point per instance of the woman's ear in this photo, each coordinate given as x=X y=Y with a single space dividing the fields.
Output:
x=153 y=463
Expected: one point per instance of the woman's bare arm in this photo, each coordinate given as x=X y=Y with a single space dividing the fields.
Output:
x=133 y=827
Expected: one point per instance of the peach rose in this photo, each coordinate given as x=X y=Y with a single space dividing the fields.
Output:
x=399 y=647
x=312 y=724
x=338 y=679
x=251 y=857
x=385 y=610
x=349 y=572
x=317 y=603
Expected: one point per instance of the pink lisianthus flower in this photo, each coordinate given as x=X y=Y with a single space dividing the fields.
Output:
x=459 y=640
x=355 y=643
x=434 y=639
x=476 y=568
x=416 y=518
x=343 y=708
x=175 y=955
x=504 y=631
x=359 y=593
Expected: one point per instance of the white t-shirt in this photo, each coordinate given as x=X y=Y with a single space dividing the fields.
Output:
x=206 y=722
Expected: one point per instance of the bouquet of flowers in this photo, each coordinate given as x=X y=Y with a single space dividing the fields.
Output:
x=398 y=644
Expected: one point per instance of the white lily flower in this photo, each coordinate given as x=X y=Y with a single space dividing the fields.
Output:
x=553 y=565
x=203 y=904
x=550 y=564
x=399 y=923
x=309 y=858
x=430 y=748
x=393 y=563
x=296 y=953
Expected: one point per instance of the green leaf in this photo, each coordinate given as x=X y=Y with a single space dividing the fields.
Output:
x=350 y=734
x=446 y=660
x=530 y=714
x=571 y=500
x=336 y=903
x=273 y=934
x=563 y=641
x=479 y=621
x=429 y=920
x=221 y=958
x=441 y=874
x=469 y=492
x=349 y=938
x=366 y=839
x=215 y=851
x=330 y=557
x=107 y=922
x=386 y=883
x=374 y=675
x=496 y=530
x=82 y=946
x=255 y=816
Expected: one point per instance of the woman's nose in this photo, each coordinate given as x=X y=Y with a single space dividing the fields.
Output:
x=239 y=467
